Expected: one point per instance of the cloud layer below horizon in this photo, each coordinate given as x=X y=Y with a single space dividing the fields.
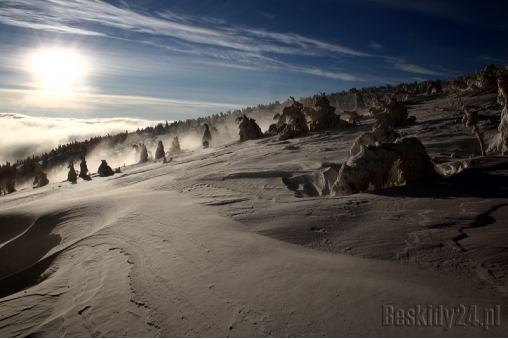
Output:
x=23 y=136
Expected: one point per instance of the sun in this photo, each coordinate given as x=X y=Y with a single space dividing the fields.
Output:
x=57 y=69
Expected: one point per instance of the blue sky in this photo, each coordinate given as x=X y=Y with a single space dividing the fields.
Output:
x=159 y=60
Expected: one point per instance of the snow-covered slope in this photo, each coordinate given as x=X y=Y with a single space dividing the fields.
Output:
x=245 y=240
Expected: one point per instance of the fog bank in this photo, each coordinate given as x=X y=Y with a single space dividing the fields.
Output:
x=23 y=136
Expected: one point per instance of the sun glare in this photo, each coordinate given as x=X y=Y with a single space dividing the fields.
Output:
x=57 y=69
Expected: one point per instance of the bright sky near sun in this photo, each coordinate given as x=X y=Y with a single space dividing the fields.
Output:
x=57 y=69
x=183 y=59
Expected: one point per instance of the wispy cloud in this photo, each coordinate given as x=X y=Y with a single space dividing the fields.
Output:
x=332 y=74
x=375 y=45
x=109 y=99
x=268 y=16
x=36 y=102
x=68 y=15
x=491 y=59
x=227 y=65
x=400 y=64
x=31 y=18
x=238 y=46
x=188 y=34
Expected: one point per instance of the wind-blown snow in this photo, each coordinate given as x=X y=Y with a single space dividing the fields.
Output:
x=245 y=240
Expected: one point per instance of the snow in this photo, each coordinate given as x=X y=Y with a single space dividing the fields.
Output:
x=235 y=241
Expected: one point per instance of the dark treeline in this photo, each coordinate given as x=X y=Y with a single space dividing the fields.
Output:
x=25 y=169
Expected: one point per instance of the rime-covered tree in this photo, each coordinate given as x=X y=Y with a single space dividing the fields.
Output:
x=249 y=129
x=206 y=136
x=470 y=119
x=105 y=170
x=143 y=155
x=159 y=153
x=7 y=178
x=83 y=171
x=41 y=179
x=175 y=146
x=72 y=176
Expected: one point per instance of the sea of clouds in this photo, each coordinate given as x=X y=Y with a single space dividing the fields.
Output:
x=22 y=136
